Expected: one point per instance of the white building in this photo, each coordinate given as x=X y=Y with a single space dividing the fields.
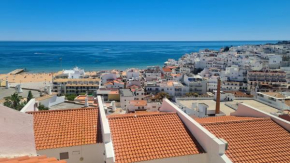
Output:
x=73 y=135
x=127 y=95
x=195 y=83
x=75 y=73
x=234 y=73
x=153 y=73
x=132 y=73
x=274 y=61
x=105 y=77
x=279 y=100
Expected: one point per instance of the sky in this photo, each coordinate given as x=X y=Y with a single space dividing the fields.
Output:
x=144 y=20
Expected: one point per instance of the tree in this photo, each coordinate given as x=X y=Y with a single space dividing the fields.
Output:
x=190 y=94
x=226 y=49
x=42 y=107
x=29 y=96
x=14 y=102
x=70 y=97
x=161 y=95
x=197 y=70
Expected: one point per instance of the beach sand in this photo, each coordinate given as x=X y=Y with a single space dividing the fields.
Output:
x=27 y=80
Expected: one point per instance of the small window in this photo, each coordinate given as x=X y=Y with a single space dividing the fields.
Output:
x=63 y=156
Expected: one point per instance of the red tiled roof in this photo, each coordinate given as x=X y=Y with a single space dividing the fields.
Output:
x=65 y=128
x=34 y=159
x=251 y=139
x=148 y=136
x=222 y=119
x=166 y=69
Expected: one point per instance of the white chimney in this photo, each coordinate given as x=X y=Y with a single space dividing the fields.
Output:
x=49 y=90
x=7 y=84
x=113 y=106
x=87 y=101
x=19 y=89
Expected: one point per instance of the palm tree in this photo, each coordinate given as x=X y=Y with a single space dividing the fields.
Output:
x=14 y=102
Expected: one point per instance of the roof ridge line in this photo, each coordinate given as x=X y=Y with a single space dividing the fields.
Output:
x=41 y=111
x=240 y=120
x=138 y=115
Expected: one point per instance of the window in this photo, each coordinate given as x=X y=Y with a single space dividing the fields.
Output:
x=63 y=155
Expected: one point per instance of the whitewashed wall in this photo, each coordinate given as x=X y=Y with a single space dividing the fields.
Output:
x=198 y=158
x=16 y=133
x=30 y=106
x=213 y=146
x=92 y=153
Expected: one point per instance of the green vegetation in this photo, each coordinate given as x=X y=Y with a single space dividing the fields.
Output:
x=42 y=107
x=14 y=102
x=70 y=97
x=197 y=70
x=161 y=95
x=190 y=94
x=226 y=49
x=29 y=96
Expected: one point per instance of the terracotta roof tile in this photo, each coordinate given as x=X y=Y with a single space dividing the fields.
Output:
x=251 y=139
x=64 y=128
x=148 y=136
x=222 y=119
x=165 y=69
x=35 y=159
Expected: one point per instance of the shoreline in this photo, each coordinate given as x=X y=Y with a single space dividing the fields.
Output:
x=44 y=57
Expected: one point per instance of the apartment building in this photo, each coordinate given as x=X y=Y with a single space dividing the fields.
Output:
x=153 y=73
x=75 y=86
x=195 y=83
x=275 y=79
x=127 y=95
x=233 y=86
x=234 y=73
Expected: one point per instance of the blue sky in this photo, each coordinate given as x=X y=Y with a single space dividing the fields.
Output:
x=144 y=20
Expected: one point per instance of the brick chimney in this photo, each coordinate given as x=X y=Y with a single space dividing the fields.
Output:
x=218 y=97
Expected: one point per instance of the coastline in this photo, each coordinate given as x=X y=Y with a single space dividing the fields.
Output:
x=44 y=57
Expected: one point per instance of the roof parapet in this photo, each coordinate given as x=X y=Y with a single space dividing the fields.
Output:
x=106 y=133
x=246 y=110
x=214 y=147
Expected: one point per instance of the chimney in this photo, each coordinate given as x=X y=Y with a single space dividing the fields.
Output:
x=7 y=84
x=49 y=90
x=218 y=97
x=86 y=101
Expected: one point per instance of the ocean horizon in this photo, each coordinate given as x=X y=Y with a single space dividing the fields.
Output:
x=44 y=56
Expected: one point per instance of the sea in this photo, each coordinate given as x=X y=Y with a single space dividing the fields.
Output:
x=38 y=57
